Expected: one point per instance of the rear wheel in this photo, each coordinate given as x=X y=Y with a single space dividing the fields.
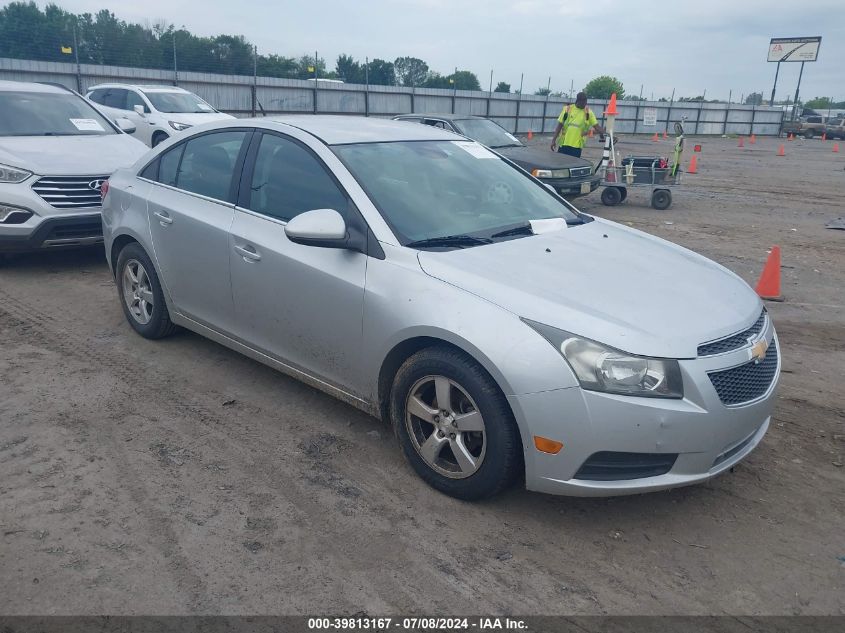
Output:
x=454 y=425
x=141 y=295
x=611 y=196
x=809 y=134
x=661 y=199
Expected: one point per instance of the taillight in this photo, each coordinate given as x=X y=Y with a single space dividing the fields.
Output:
x=104 y=189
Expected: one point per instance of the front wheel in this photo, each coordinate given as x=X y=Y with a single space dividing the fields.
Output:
x=141 y=295
x=454 y=425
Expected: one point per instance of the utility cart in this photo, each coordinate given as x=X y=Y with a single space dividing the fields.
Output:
x=653 y=172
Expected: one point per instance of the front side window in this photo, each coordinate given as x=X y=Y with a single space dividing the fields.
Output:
x=49 y=114
x=431 y=189
x=288 y=180
x=133 y=99
x=183 y=102
x=208 y=163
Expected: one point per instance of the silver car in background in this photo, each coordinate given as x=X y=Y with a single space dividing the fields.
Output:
x=433 y=284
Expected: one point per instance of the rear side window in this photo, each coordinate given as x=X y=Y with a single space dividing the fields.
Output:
x=115 y=98
x=288 y=180
x=169 y=165
x=98 y=95
x=208 y=164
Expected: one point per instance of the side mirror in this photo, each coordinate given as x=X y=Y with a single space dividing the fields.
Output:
x=325 y=228
x=139 y=109
x=125 y=125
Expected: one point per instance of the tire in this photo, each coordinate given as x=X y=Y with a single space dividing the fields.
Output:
x=624 y=192
x=612 y=196
x=661 y=199
x=140 y=294
x=491 y=457
x=159 y=137
x=809 y=134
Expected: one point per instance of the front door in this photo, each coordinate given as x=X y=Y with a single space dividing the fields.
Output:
x=300 y=304
x=190 y=213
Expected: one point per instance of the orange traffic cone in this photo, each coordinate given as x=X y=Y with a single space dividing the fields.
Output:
x=781 y=151
x=741 y=142
x=664 y=135
x=790 y=137
x=824 y=136
x=693 y=165
x=530 y=135
x=836 y=148
x=769 y=285
x=611 y=106
x=654 y=138
x=753 y=139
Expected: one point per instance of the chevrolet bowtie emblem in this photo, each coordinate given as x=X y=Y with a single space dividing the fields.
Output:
x=758 y=350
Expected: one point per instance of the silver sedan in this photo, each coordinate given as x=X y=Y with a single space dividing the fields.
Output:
x=430 y=282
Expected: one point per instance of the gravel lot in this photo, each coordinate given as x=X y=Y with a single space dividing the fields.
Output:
x=176 y=477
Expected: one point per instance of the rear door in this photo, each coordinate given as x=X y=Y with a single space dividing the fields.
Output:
x=300 y=304
x=190 y=209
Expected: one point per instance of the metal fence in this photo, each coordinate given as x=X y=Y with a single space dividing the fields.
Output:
x=248 y=96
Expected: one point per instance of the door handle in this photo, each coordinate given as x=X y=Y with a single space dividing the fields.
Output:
x=163 y=218
x=249 y=253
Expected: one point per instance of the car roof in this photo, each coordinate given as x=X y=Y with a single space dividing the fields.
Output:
x=342 y=130
x=142 y=87
x=29 y=86
x=436 y=115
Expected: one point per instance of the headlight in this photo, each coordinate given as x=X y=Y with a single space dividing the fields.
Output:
x=13 y=174
x=178 y=126
x=13 y=215
x=550 y=173
x=602 y=368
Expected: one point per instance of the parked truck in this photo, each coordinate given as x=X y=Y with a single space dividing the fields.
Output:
x=808 y=126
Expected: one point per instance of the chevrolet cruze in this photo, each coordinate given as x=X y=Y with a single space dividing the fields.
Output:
x=428 y=281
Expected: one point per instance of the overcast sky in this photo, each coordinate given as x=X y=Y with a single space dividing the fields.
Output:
x=717 y=45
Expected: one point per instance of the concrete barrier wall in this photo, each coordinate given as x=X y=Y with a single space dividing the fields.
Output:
x=243 y=95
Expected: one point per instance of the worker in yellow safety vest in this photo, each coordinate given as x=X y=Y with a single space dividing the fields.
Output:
x=573 y=125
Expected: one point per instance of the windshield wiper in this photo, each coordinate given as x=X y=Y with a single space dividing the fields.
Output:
x=508 y=145
x=459 y=241
x=521 y=229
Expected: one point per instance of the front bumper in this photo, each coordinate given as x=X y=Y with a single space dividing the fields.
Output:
x=573 y=187
x=707 y=436
x=79 y=229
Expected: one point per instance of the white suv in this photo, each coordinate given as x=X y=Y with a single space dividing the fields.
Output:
x=158 y=112
x=56 y=151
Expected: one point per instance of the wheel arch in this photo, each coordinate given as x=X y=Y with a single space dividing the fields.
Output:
x=406 y=348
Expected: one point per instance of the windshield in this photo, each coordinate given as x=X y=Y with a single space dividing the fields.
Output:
x=486 y=132
x=428 y=189
x=49 y=114
x=183 y=102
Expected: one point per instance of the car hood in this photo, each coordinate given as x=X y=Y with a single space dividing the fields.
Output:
x=608 y=283
x=533 y=158
x=195 y=118
x=71 y=155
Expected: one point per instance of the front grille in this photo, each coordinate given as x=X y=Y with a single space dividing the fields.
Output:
x=613 y=466
x=70 y=192
x=580 y=172
x=735 y=341
x=746 y=382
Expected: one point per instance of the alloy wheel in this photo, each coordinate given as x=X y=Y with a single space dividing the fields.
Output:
x=138 y=291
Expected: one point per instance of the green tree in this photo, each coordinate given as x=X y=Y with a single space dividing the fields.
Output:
x=382 y=73
x=465 y=80
x=755 y=98
x=410 y=71
x=819 y=103
x=436 y=80
x=542 y=92
x=604 y=86
x=502 y=87
x=350 y=71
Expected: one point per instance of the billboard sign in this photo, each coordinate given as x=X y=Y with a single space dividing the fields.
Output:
x=649 y=117
x=794 y=49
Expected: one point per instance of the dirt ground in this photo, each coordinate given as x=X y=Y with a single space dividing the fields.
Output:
x=177 y=477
